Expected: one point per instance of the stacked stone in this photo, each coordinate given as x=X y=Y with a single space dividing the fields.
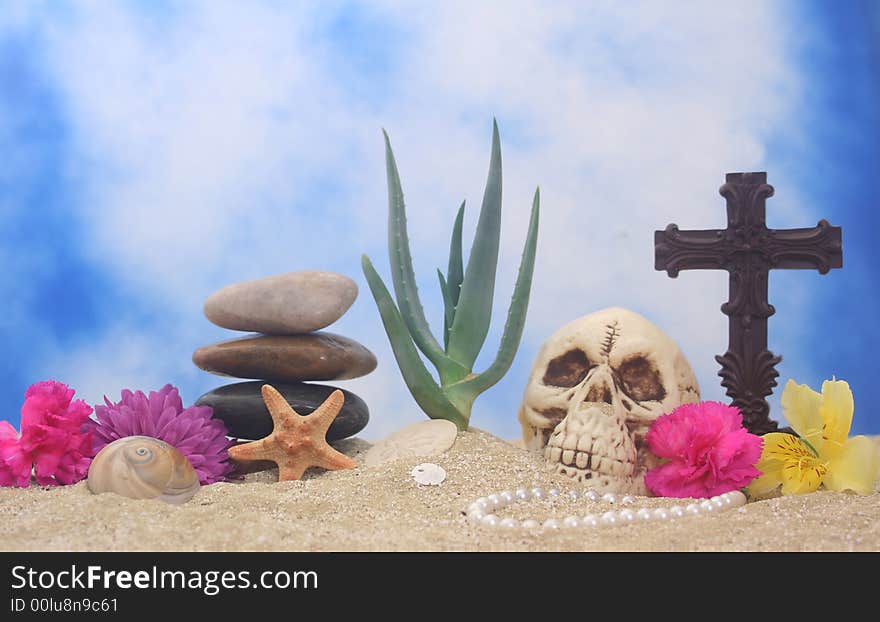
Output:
x=286 y=310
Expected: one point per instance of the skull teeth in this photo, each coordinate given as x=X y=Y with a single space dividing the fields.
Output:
x=582 y=461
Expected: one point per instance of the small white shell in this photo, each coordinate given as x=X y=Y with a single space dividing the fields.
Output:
x=428 y=474
x=141 y=467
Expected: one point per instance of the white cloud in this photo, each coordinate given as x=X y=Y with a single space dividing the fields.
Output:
x=220 y=143
x=191 y=133
x=119 y=358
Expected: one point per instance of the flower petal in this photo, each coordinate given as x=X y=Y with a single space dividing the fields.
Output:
x=855 y=467
x=667 y=436
x=801 y=406
x=677 y=479
x=803 y=475
x=15 y=463
x=7 y=432
x=734 y=458
x=781 y=447
x=787 y=457
x=836 y=412
x=767 y=482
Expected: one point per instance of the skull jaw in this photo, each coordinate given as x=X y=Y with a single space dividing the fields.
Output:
x=601 y=482
x=593 y=446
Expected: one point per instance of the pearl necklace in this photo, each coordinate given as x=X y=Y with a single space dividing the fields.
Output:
x=481 y=510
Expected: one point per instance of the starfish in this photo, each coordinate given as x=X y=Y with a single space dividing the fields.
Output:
x=297 y=442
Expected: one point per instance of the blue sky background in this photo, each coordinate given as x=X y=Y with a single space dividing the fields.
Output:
x=154 y=152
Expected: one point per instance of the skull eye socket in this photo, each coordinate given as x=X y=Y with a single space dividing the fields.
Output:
x=568 y=370
x=641 y=380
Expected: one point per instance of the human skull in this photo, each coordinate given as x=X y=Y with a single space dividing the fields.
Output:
x=596 y=386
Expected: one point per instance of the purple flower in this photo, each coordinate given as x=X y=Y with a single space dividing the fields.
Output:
x=162 y=415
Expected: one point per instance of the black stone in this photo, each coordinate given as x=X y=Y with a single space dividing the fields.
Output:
x=240 y=406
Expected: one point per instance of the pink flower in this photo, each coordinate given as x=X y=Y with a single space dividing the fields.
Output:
x=51 y=441
x=15 y=465
x=708 y=451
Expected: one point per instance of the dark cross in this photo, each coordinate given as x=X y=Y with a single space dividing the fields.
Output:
x=748 y=250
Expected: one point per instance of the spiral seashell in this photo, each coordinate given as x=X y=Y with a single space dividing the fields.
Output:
x=141 y=467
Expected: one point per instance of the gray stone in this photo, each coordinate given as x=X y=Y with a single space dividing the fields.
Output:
x=295 y=302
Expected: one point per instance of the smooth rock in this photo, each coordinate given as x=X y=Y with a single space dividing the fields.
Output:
x=425 y=438
x=295 y=302
x=240 y=406
x=287 y=358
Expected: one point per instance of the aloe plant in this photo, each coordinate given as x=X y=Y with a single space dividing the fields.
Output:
x=467 y=296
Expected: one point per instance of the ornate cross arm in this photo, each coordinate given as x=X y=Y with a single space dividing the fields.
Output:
x=676 y=250
x=815 y=248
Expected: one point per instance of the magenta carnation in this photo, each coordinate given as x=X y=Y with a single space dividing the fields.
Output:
x=162 y=415
x=51 y=441
x=708 y=451
x=15 y=465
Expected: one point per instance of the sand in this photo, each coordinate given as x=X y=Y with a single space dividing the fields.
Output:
x=383 y=509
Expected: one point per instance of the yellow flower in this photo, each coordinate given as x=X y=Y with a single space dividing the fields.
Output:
x=823 y=455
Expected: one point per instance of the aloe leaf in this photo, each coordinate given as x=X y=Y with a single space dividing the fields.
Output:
x=420 y=382
x=473 y=312
x=455 y=271
x=516 y=316
x=448 y=306
x=402 y=275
